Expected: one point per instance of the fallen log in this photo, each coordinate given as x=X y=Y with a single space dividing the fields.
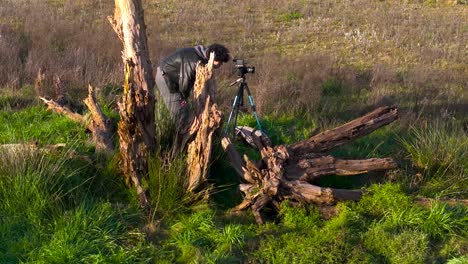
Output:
x=288 y=171
x=99 y=124
x=63 y=110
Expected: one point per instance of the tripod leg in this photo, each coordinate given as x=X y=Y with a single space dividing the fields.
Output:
x=235 y=108
x=239 y=102
x=234 y=104
x=253 y=106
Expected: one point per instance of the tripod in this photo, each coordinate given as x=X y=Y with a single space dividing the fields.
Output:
x=238 y=101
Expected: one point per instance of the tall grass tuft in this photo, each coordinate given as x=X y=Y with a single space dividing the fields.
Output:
x=48 y=216
x=440 y=152
x=165 y=127
x=168 y=183
x=30 y=194
x=93 y=232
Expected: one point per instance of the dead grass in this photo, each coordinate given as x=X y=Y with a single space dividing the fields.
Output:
x=410 y=53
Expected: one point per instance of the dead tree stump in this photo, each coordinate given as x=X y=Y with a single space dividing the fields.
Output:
x=286 y=171
x=206 y=119
x=136 y=127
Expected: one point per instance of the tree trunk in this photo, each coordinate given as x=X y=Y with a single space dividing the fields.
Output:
x=287 y=171
x=136 y=126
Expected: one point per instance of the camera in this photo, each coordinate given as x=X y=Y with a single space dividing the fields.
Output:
x=242 y=69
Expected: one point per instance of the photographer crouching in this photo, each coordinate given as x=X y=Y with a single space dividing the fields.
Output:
x=175 y=78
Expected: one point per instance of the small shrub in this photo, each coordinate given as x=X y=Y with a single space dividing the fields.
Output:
x=332 y=87
x=288 y=17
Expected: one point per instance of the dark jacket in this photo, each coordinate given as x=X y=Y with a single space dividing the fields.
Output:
x=179 y=69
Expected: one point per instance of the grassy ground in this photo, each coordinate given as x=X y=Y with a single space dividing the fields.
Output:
x=71 y=206
x=319 y=64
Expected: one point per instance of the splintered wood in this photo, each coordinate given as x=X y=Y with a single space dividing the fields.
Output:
x=136 y=126
x=289 y=171
x=206 y=120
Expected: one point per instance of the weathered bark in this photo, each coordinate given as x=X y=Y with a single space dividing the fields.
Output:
x=136 y=127
x=55 y=107
x=286 y=171
x=314 y=194
x=99 y=124
x=206 y=120
x=344 y=134
x=309 y=169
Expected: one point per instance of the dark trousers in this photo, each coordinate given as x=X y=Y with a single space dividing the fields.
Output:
x=173 y=101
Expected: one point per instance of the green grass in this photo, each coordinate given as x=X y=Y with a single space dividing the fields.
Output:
x=168 y=183
x=384 y=227
x=439 y=152
x=93 y=233
x=283 y=129
x=404 y=246
x=58 y=207
x=50 y=213
x=63 y=206
x=288 y=17
x=37 y=124
x=319 y=64
x=200 y=239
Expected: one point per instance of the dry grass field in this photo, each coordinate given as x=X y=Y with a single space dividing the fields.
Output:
x=409 y=53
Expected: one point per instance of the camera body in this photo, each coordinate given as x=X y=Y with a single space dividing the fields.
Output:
x=242 y=69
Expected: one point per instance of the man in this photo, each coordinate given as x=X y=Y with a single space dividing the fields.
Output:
x=176 y=74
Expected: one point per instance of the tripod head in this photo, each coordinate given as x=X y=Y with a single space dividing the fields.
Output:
x=242 y=69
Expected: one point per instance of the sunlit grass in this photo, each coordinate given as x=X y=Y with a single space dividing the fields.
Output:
x=440 y=153
x=319 y=64
x=36 y=123
x=47 y=216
